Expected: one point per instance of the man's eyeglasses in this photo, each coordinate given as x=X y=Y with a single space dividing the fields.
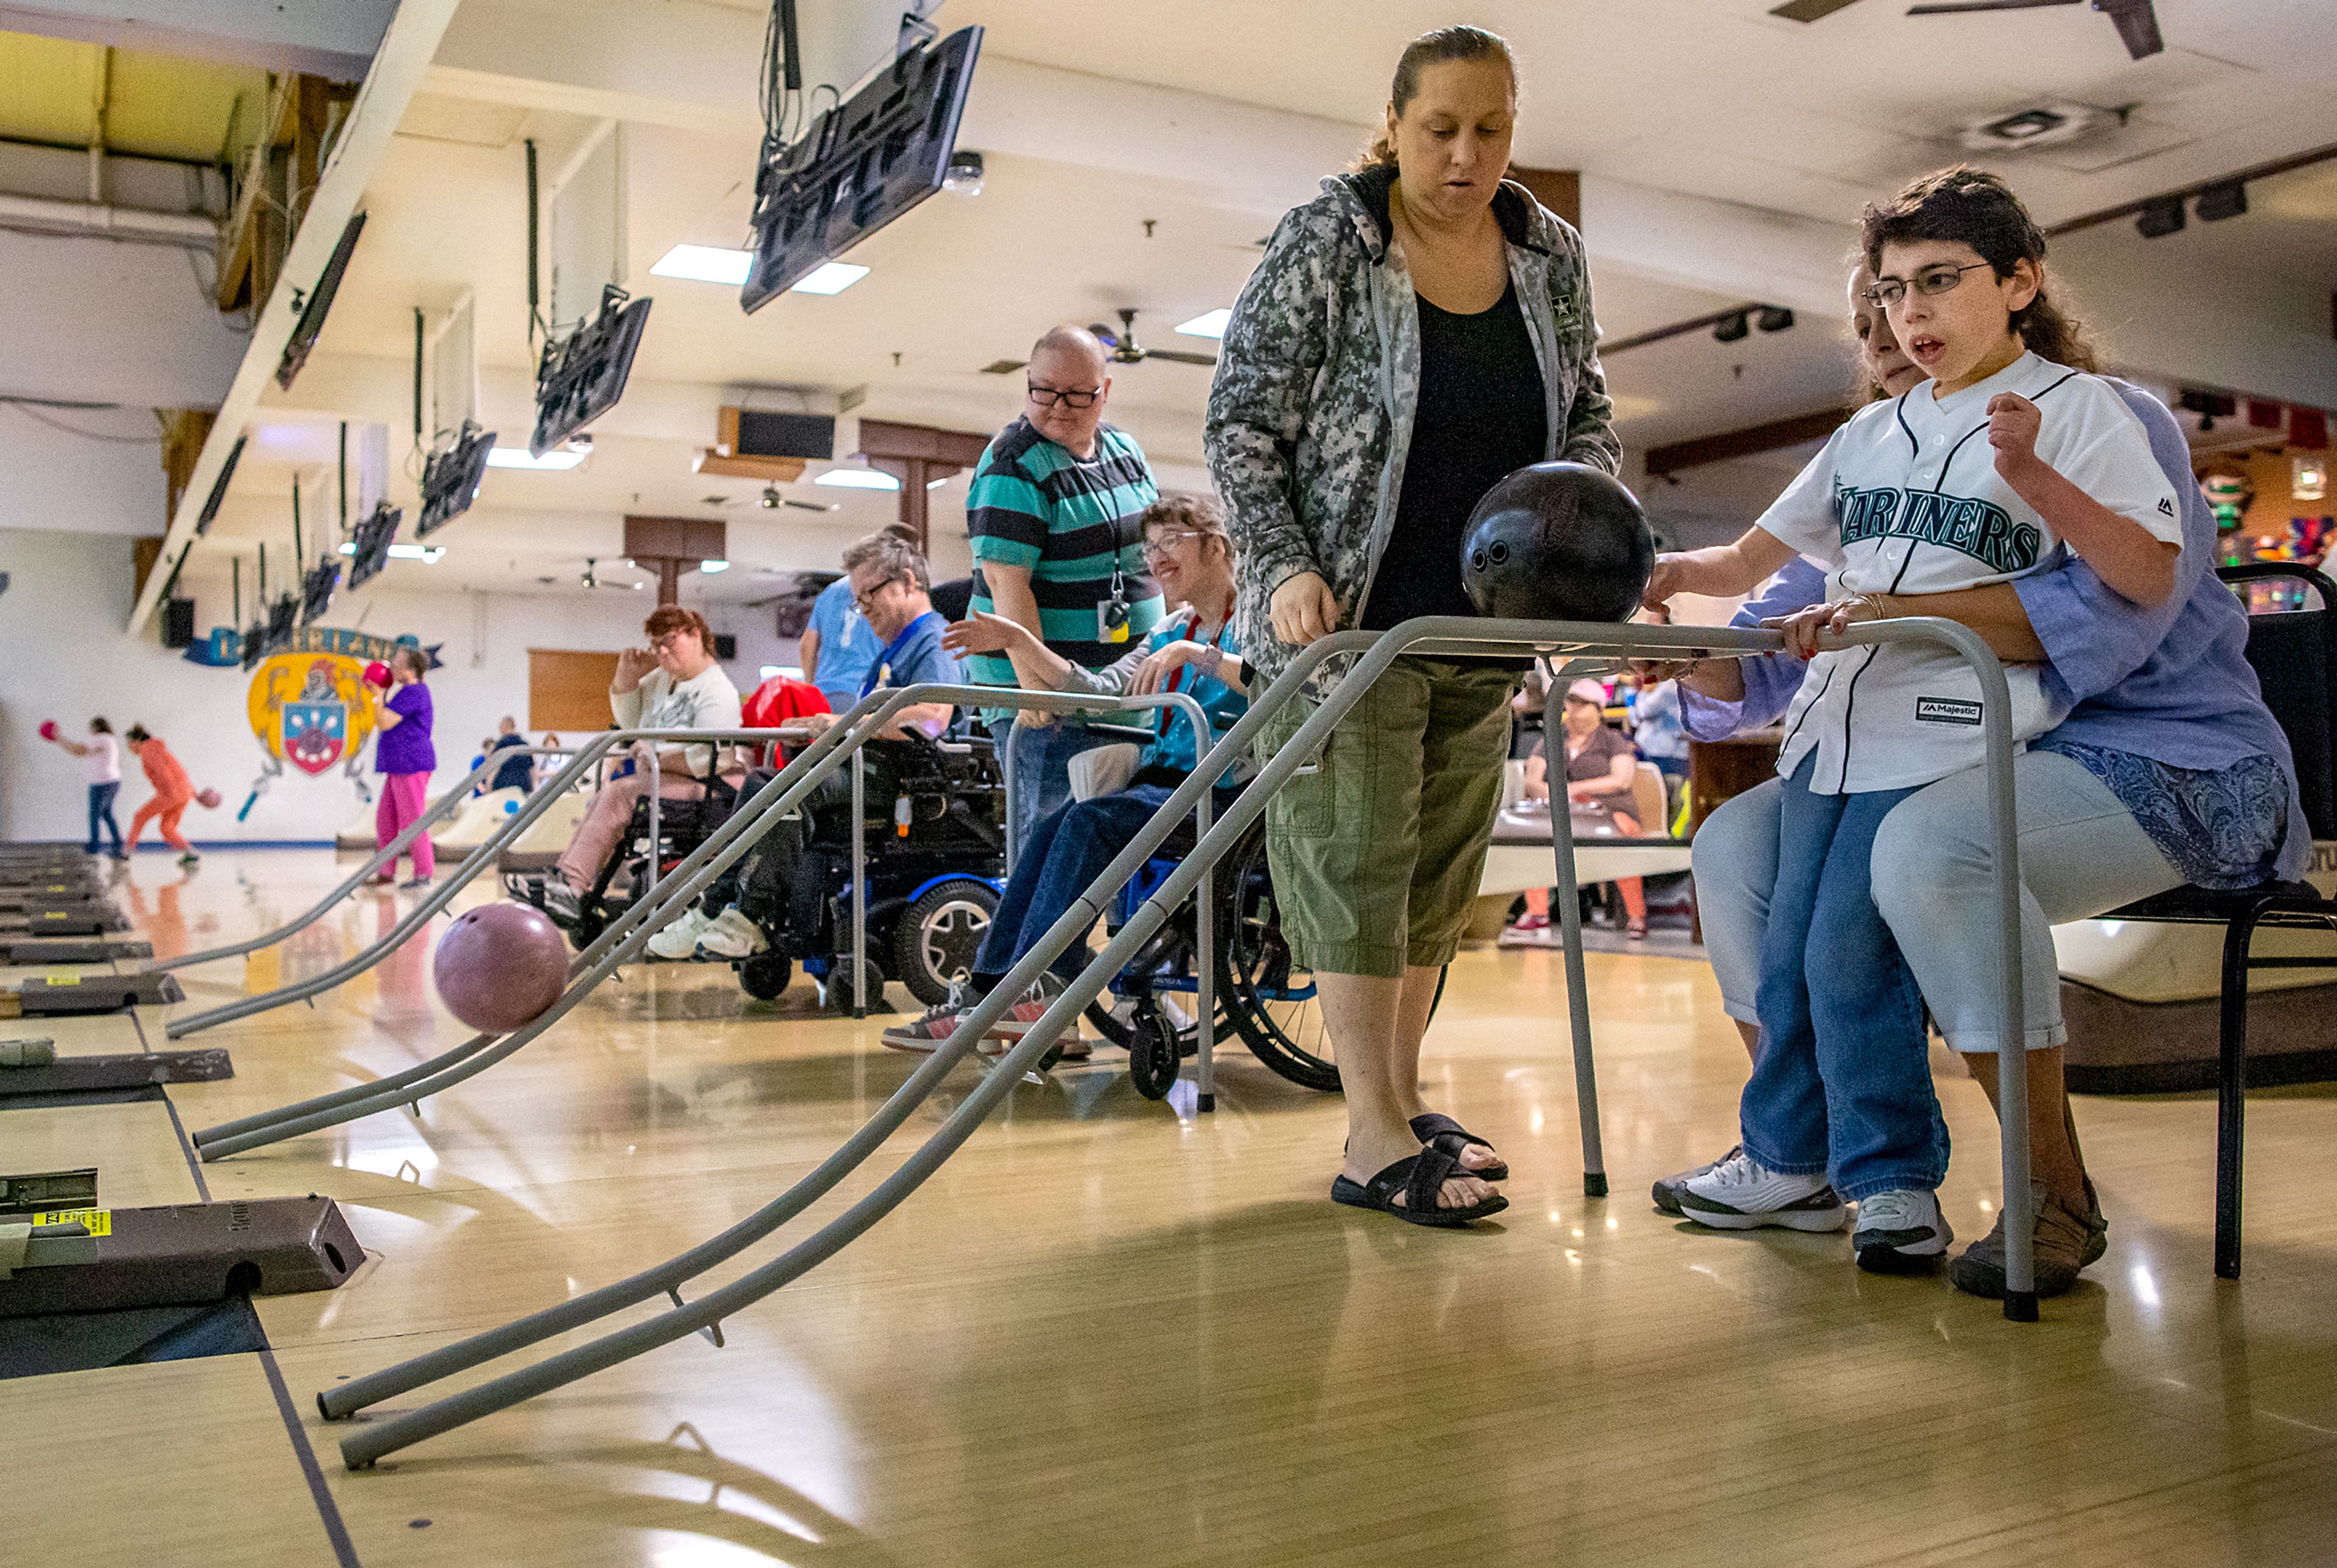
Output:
x=1164 y=542
x=1888 y=291
x=1048 y=396
x=863 y=598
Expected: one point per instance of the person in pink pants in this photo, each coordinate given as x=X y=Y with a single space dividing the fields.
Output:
x=405 y=759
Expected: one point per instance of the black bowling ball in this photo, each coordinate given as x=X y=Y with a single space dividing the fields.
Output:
x=1558 y=541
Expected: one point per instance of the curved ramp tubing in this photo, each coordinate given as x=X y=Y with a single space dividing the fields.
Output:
x=1459 y=636
x=685 y=882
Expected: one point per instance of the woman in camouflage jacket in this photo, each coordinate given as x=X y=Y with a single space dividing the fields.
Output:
x=1317 y=419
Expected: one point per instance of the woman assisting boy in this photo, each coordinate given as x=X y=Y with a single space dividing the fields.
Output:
x=1908 y=500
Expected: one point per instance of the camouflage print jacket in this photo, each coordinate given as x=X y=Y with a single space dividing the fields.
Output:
x=1310 y=417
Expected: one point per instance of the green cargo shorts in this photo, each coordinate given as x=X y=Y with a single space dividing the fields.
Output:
x=1377 y=855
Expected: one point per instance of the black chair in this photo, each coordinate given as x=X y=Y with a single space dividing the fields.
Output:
x=2295 y=653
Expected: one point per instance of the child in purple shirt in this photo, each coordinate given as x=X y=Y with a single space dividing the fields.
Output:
x=406 y=760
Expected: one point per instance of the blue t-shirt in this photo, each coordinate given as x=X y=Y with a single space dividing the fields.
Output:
x=1222 y=704
x=846 y=645
x=407 y=748
x=920 y=659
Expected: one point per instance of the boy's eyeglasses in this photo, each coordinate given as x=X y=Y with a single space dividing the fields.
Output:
x=1048 y=396
x=1165 y=543
x=1889 y=291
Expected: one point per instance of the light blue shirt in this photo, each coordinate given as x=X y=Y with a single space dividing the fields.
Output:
x=847 y=646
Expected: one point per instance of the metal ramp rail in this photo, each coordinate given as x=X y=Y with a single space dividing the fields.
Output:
x=625 y=936
x=1446 y=637
x=442 y=890
x=384 y=856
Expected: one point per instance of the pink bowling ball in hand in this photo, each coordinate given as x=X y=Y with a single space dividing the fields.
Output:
x=377 y=674
x=48 y=729
x=500 y=966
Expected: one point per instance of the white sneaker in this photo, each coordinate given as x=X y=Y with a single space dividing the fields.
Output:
x=731 y=935
x=678 y=943
x=1900 y=1232
x=1741 y=1194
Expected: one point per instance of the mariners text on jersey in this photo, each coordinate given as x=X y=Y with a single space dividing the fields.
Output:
x=1979 y=529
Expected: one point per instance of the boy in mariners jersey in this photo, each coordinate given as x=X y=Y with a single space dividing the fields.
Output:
x=2009 y=454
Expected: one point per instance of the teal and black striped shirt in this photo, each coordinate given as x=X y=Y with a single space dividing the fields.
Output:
x=1071 y=522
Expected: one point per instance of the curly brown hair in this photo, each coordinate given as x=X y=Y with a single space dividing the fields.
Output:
x=1977 y=209
x=672 y=617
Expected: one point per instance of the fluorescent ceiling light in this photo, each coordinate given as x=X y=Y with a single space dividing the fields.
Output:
x=827 y=277
x=559 y=457
x=710 y=567
x=425 y=553
x=1209 y=323
x=719 y=264
x=858 y=479
x=705 y=264
x=935 y=483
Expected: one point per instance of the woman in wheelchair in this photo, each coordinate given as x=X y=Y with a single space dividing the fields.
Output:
x=672 y=684
x=1194 y=650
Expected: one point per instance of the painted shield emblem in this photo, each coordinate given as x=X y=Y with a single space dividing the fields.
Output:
x=315 y=733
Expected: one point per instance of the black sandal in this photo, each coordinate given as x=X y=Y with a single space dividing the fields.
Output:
x=1430 y=1125
x=1421 y=1178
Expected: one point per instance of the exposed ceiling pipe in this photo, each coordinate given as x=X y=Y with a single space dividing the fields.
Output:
x=41 y=215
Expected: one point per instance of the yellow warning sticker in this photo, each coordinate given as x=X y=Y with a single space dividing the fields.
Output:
x=97 y=1222
x=63 y=976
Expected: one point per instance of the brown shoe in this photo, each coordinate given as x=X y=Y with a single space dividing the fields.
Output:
x=2065 y=1243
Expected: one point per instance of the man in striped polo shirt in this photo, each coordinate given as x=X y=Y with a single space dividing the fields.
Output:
x=1055 y=519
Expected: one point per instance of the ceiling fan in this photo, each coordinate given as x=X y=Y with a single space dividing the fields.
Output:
x=589 y=577
x=1120 y=347
x=2136 y=21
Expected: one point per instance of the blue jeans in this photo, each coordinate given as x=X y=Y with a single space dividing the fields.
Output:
x=1038 y=763
x=1843 y=1082
x=1066 y=851
x=101 y=810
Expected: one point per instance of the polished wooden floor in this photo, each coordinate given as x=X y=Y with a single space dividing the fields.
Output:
x=1112 y=1331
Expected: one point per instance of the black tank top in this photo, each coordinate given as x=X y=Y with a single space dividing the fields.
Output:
x=1482 y=415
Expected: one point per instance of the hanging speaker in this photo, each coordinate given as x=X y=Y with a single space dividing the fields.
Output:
x=178 y=623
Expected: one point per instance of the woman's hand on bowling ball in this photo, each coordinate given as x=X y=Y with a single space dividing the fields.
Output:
x=1304 y=608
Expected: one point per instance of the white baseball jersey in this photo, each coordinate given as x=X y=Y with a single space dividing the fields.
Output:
x=1906 y=499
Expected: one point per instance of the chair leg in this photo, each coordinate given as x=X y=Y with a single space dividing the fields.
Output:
x=2231 y=1090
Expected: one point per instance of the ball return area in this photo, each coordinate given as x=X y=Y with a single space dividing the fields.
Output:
x=1373 y=654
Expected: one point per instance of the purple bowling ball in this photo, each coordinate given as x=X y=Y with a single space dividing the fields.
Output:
x=500 y=966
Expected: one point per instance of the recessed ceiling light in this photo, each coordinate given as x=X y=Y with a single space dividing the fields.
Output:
x=710 y=567
x=559 y=457
x=1209 y=323
x=828 y=277
x=858 y=479
x=705 y=264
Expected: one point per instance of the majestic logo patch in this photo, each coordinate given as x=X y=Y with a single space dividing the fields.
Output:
x=1979 y=529
x=2165 y=506
x=1946 y=710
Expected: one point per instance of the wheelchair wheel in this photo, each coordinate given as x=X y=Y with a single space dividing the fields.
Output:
x=936 y=937
x=766 y=975
x=1153 y=1053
